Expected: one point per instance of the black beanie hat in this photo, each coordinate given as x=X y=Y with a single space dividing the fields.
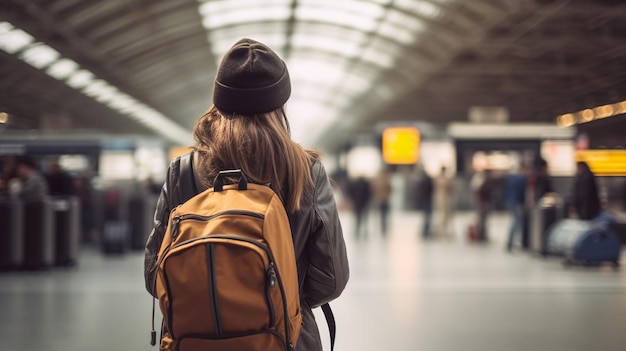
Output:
x=251 y=79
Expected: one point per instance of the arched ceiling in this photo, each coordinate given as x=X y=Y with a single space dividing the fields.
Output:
x=147 y=66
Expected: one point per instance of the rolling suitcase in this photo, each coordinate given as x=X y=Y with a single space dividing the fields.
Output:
x=115 y=237
x=11 y=233
x=597 y=245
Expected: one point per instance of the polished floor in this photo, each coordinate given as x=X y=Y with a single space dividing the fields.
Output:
x=405 y=293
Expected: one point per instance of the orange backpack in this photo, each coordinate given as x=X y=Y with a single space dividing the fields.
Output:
x=227 y=276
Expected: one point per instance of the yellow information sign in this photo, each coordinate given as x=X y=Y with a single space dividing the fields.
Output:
x=401 y=145
x=604 y=162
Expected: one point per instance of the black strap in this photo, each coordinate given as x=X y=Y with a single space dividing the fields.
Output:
x=187 y=183
x=330 y=320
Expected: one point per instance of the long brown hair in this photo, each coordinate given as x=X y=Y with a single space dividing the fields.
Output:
x=260 y=146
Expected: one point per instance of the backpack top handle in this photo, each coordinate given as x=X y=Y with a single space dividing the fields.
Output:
x=218 y=183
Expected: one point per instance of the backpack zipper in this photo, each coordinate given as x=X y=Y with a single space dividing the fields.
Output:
x=177 y=219
x=212 y=287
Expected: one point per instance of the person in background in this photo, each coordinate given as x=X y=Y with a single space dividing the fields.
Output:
x=481 y=185
x=540 y=183
x=444 y=203
x=9 y=172
x=515 y=200
x=359 y=193
x=33 y=185
x=425 y=195
x=381 y=187
x=59 y=181
x=585 y=202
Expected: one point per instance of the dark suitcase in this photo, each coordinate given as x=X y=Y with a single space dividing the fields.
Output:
x=38 y=234
x=115 y=237
x=597 y=245
x=11 y=233
x=67 y=230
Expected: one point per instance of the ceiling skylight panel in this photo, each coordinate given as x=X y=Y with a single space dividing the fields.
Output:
x=420 y=7
x=308 y=70
x=320 y=92
x=363 y=8
x=62 y=69
x=399 y=34
x=13 y=40
x=216 y=7
x=325 y=43
x=356 y=85
x=379 y=58
x=246 y=15
x=331 y=30
x=401 y=19
x=350 y=19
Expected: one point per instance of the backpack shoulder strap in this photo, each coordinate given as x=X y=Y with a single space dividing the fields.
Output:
x=188 y=187
x=330 y=320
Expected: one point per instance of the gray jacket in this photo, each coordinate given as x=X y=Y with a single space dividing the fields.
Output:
x=318 y=241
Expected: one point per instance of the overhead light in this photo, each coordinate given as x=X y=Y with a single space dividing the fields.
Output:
x=62 y=69
x=15 y=41
x=80 y=79
x=4 y=117
x=12 y=39
x=566 y=120
x=588 y=115
x=39 y=55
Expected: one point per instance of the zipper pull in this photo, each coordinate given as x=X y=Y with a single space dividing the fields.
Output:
x=271 y=275
x=175 y=223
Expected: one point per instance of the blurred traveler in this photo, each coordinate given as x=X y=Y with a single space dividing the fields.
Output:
x=585 y=203
x=515 y=200
x=481 y=185
x=247 y=129
x=360 y=194
x=425 y=190
x=541 y=183
x=9 y=172
x=444 y=204
x=381 y=187
x=32 y=186
x=152 y=187
x=84 y=191
x=59 y=181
